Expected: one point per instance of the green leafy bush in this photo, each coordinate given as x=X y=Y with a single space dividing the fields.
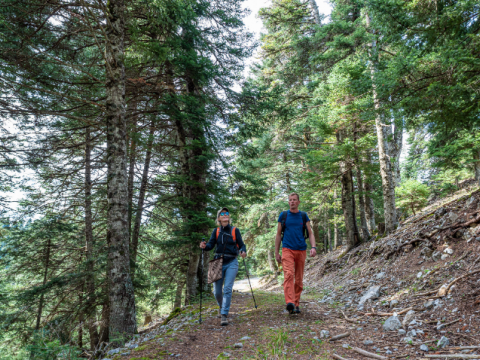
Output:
x=412 y=195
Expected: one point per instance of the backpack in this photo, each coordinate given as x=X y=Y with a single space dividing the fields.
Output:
x=284 y=223
x=234 y=236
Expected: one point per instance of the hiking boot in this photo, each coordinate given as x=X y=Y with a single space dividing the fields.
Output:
x=290 y=308
x=224 y=321
x=297 y=310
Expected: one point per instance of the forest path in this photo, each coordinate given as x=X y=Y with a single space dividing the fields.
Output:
x=267 y=332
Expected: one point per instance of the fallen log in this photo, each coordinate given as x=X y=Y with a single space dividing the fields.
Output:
x=369 y=354
x=335 y=356
x=340 y=336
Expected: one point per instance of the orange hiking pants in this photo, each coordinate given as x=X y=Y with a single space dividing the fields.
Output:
x=293 y=262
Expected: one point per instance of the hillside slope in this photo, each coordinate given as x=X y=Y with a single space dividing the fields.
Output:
x=414 y=294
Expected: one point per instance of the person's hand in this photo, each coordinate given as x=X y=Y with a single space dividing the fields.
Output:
x=243 y=254
x=279 y=258
x=203 y=245
x=313 y=252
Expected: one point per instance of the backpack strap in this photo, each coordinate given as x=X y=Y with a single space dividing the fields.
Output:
x=284 y=222
x=218 y=233
x=234 y=236
x=305 y=229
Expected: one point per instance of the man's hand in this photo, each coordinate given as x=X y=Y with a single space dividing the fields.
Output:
x=313 y=252
x=203 y=244
x=243 y=254
x=279 y=258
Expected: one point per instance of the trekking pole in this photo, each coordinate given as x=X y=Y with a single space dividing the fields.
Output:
x=201 y=284
x=248 y=277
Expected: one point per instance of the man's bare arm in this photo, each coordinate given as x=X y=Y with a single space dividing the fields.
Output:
x=278 y=240
x=311 y=237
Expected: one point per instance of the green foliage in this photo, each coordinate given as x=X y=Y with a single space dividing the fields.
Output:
x=412 y=195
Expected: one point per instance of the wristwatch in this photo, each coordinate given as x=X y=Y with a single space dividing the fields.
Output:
x=314 y=247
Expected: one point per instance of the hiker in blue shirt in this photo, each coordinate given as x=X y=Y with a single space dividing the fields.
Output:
x=292 y=231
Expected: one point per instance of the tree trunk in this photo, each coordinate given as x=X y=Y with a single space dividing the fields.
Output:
x=361 y=205
x=316 y=13
x=386 y=171
x=104 y=333
x=396 y=150
x=178 y=295
x=192 y=278
x=45 y=276
x=369 y=205
x=348 y=200
x=336 y=233
x=270 y=250
x=476 y=156
x=287 y=173
x=122 y=297
x=131 y=178
x=89 y=247
x=141 y=199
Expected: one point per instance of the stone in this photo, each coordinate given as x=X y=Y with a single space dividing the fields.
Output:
x=407 y=340
x=226 y=354
x=324 y=334
x=412 y=333
x=409 y=316
x=368 y=342
x=444 y=341
x=346 y=346
x=424 y=347
x=392 y=324
x=419 y=274
x=132 y=346
x=452 y=217
x=436 y=255
x=113 y=351
x=393 y=303
x=388 y=352
x=238 y=346
x=444 y=256
x=372 y=293
x=380 y=276
x=470 y=201
x=448 y=251
x=359 y=329
x=125 y=353
x=245 y=338
x=440 y=212
x=429 y=304
x=401 y=332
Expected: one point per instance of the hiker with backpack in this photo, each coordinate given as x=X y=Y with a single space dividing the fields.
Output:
x=292 y=231
x=229 y=245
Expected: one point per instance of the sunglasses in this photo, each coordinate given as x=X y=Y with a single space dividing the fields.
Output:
x=224 y=213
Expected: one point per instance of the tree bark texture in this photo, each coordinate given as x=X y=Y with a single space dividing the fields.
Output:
x=386 y=168
x=348 y=200
x=121 y=292
x=316 y=13
x=369 y=205
x=131 y=179
x=178 y=295
x=361 y=205
x=336 y=233
x=89 y=247
x=45 y=276
x=476 y=156
x=141 y=199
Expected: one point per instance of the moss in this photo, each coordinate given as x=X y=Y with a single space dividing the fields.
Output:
x=140 y=348
x=177 y=311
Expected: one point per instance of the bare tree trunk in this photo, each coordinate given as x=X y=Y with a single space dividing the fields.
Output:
x=141 y=199
x=270 y=251
x=192 y=279
x=122 y=296
x=369 y=205
x=178 y=295
x=348 y=200
x=386 y=171
x=131 y=178
x=89 y=247
x=287 y=173
x=316 y=13
x=104 y=333
x=395 y=139
x=361 y=205
x=45 y=275
x=476 y=156
x=329 y=237
x=336 y=233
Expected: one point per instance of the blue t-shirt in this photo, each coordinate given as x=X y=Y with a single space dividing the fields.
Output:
x=293 y=237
